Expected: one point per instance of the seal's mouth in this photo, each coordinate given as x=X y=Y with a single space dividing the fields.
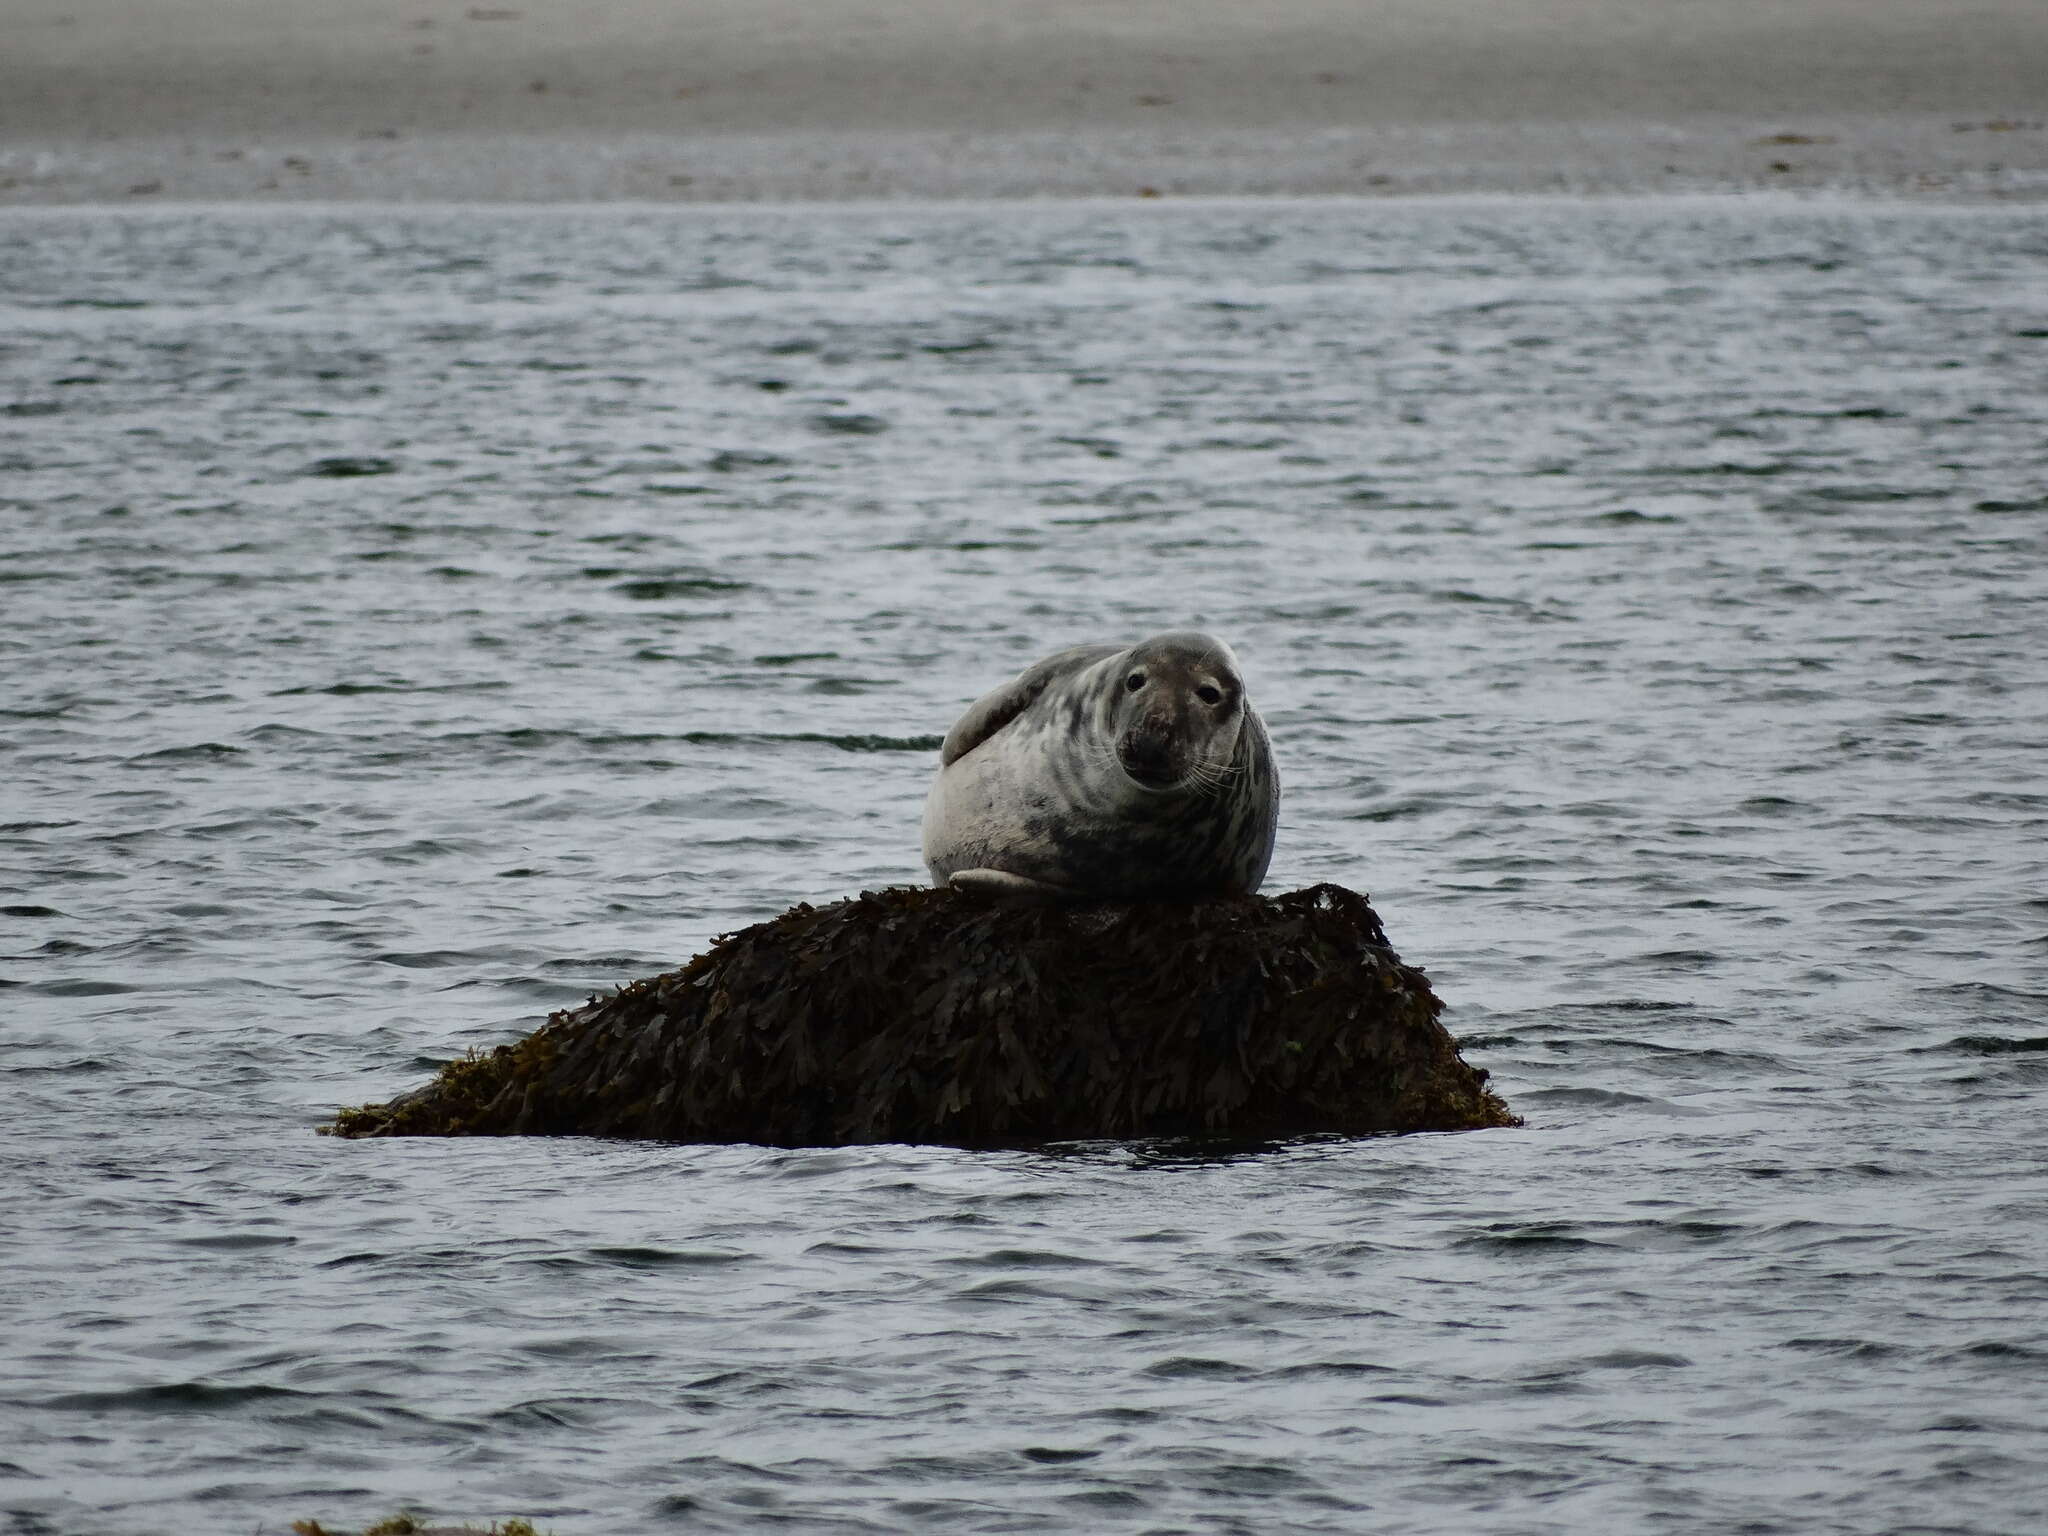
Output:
x=1149 y=772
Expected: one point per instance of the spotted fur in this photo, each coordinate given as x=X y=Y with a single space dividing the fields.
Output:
x=1109 y=774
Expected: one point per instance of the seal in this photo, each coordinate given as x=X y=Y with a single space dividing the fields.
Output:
x=1108 y=773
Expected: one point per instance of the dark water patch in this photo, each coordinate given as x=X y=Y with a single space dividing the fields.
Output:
x=1674 y=1234
x=1414 y=805
x=2002 y=1351
x=1989 y=1045
x=423 y=850
x=580 y=1347
x=1530 y=1239
x=1727 y=467
x=1993 y=994
x=1684 y=960
x=850 y=423
x=1200 y=1368
x=432 y=959
x=644 y=1258
x=200 y=752
x=580 y=1413
x=1636 y=1005
x=849 y=742
x=392 y=687
x=350 y=467
x=1599 y=1098
x=1029 y=1291
x=655 y=589
x=1101 y=448
x=76 y=1064
x=238 y=1242
x=1023 y=1258
x=850 y=687
x=731 y=460
x=541 y=991
x=1332 y=1369
x=1875 y=495
x=1625 y=517
x=1847 y=1348
x=1849 y=413
x=176 y=1398
x=82 y=987
x=1624 y=1360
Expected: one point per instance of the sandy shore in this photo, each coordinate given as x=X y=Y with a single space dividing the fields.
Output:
x=730 y=99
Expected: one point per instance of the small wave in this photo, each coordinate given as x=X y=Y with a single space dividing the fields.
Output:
x=1990 y=1045
x=1845 y=1348
x=205 y=751
x=1023 y=1258
x=845 y=742
x=434 y=959
x=1518 y=1238
x=1620 y=1360
x=665 y=1258
x=654 y=589
x=83 y=987
x=1338 y=1369
x=173 y=1397
x=350 y=467
x=1604 y=1098
x=1053 y=1456
x=851 y=423
x=2001 y=1349
x=1200 y=1368
x=348 y=690
x=238 y=1242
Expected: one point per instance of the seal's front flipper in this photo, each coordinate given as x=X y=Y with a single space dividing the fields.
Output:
x=1001 y=885
x=994 y=710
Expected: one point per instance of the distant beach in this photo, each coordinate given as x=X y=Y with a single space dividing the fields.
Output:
x=721 y=100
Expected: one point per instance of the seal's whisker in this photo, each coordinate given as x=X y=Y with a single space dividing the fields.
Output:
x=1214 y=778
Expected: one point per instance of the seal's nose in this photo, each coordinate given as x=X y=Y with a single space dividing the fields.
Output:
x=1148 y=759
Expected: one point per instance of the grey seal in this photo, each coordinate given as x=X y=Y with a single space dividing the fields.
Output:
x=1108 y=773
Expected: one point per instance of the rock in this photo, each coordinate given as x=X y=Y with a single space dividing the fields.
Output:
x=934 y=1016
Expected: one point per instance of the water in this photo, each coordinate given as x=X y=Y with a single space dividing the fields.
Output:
x=417 y=620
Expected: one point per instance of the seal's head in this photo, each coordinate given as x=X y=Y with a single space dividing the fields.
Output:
x=1176 y=709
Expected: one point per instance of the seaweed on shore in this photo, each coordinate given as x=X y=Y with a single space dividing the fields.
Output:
x=914 y=1015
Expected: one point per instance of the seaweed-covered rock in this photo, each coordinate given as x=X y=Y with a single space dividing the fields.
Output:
x=935 y=1016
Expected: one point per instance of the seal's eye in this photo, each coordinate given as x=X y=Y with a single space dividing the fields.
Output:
x=1135 y=681
x=1209 y=693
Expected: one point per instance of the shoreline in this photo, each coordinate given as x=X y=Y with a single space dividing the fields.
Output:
x=1761 y=200
x=722 y=101
x=1924 y=159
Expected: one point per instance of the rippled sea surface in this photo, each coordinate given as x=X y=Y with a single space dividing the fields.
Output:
x=415 y=621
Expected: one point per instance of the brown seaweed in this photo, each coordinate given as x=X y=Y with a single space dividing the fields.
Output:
x=915 y=1015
